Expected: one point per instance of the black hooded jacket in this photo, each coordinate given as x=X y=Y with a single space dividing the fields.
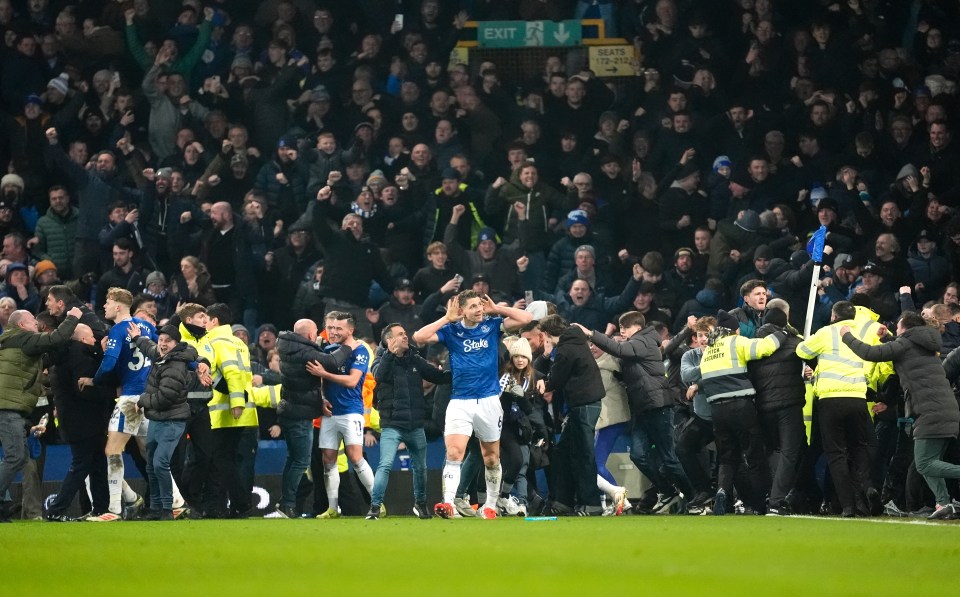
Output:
x=574 y=370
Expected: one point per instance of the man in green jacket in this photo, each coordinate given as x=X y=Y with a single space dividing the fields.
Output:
x=21 y=351
x=56 y=232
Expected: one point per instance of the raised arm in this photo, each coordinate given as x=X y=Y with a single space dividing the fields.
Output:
x=513 y=319
x=880 y=353
x=428 y=333
x=628 y=351
x=37 y=344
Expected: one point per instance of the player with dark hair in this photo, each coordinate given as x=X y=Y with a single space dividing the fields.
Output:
x=471 y=331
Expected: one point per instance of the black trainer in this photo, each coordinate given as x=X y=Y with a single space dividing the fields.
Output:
x=874 y=505
x=420 y=510
x=374 y=513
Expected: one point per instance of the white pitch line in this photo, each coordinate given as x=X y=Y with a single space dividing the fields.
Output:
x=875 y=520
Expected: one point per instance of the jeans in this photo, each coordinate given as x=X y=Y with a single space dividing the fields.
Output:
x=416 y=441
x=162 y=440
x=654 y=453
x=573 y=466
x=87 y=460
x=299 y=436
x=521 y=489
x=785 y=438
x=13 y=438
x=928 y=455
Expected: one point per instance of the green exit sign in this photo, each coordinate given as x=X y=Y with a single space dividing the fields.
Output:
x=528 y=34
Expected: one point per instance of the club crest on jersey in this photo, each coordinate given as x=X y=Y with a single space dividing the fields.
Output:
x=484 y=328
x=471 y=345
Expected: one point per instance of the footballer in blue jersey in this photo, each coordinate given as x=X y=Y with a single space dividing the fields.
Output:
x=474 y=357
x=343 y=391
x=131 y=368
x=349 y=400
x=471 y=331
x=123 y=359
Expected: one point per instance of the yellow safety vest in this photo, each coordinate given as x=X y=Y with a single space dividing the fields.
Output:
x=723 y=368
x=840 y=373
x=230 y=362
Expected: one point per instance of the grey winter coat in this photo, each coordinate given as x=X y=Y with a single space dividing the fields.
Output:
x=928 y=398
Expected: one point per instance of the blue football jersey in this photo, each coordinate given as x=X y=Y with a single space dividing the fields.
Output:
x=474 y=358
x=344 y=400
x=124 y=359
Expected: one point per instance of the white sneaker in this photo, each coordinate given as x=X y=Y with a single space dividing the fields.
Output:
x=278 y=513
x=463 y=508
x=511 y=506
x=619 y=501
x=105 y=517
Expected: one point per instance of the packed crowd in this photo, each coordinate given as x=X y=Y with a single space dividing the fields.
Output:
x=285 y=198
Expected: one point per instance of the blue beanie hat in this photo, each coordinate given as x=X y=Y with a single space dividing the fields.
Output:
x=578 y=216
x=722 y=161
x=487 y=233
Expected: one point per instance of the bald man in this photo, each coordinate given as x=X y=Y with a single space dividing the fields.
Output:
x=82 y=415
x=229 y=260
x=301 y=402
x=21 y=353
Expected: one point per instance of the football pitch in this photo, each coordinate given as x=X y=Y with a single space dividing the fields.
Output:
x=631 y=555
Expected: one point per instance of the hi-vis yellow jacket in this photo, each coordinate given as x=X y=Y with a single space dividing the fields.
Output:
x=232 y=378
x=839 y=373
x=723 y=368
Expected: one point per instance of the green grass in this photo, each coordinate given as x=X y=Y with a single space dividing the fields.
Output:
x=403 y=556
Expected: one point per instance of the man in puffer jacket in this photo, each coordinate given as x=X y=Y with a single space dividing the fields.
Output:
x=300 y=403
x=779 y=401
x=164 y=401
x=653 y=438
x=398 y=396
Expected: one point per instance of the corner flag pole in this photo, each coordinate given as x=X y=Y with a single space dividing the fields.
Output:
x=815 y=249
